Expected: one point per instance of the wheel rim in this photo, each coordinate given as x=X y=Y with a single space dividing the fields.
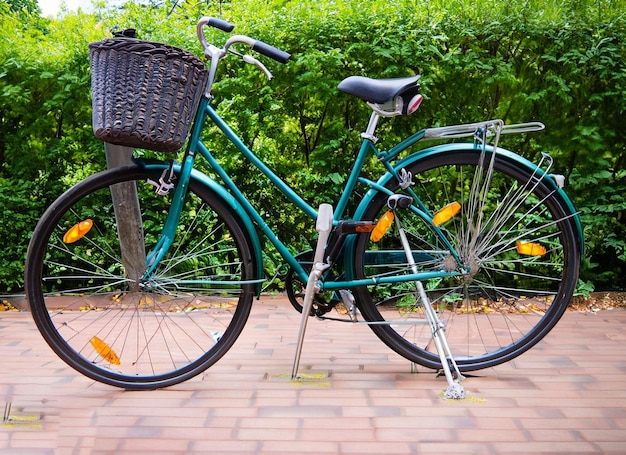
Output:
x=131 y=333
x=511 y=295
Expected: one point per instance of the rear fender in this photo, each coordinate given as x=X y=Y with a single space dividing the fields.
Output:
x=446 y=149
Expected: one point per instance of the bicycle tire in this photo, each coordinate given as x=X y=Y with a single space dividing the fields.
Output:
x=130 y=333
x=510 y=299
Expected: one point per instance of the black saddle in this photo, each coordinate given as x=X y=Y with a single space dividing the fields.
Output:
x=378 y=91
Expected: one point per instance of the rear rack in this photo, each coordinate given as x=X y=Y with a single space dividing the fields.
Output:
x=492 y=127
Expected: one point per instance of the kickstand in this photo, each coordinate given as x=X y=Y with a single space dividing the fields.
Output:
x=323 y=226
x=455 y=390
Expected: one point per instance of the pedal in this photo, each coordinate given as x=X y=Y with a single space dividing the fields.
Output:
x=354 y=227
x=349 y=303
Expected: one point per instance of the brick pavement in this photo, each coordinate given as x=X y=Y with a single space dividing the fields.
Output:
x=567 y=395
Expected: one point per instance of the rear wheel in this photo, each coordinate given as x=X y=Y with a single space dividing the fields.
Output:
x=97 y=312
x=514 y=238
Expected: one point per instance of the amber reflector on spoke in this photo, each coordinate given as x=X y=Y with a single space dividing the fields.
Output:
x=105 y=351
x=78 y=231
x=530 y=248
x=382 y=226
x=446 y=213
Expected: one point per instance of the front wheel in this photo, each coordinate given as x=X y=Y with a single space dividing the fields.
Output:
x=515 y=243
x=97 y=311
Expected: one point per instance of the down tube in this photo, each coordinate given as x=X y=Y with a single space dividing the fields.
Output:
x=238 y=195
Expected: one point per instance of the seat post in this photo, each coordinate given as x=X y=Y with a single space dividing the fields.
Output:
x=371 y=128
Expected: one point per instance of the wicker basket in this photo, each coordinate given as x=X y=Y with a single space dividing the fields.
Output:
x=145 y=94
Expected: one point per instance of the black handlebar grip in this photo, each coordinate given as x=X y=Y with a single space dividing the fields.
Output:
x=271 y=52
x=221 y=24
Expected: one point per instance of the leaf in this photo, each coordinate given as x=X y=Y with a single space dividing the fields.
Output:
x=336 y=178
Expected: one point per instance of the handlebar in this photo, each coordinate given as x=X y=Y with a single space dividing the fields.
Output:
x=210 y=51
x=271 y=51
x=219 y=23
x=215 y=54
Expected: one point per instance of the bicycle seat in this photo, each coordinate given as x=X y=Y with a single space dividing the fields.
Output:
x=376 y=90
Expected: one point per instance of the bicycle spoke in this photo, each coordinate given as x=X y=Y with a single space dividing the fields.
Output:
x=518 y=262
x=159 y=331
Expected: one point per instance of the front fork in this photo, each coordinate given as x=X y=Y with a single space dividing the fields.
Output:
x=163 y=187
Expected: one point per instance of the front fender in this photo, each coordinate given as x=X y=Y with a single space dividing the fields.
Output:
x=220 y=191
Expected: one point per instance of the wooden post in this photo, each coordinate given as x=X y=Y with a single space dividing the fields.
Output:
x=128 y=217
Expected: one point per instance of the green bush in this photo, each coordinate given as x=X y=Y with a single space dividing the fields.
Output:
x=522 y=60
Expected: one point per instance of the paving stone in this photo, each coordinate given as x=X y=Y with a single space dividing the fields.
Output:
x=565 y=396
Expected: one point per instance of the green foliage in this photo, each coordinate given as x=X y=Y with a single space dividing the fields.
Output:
x=46 y=141
x=584 y=288
x=31 y=6
x=601 y=198
x=562 y=63
x=17 y=205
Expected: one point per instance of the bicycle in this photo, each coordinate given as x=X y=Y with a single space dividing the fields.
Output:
x=461 y=256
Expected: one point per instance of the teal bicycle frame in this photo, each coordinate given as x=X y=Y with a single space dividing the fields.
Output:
x=251 y=218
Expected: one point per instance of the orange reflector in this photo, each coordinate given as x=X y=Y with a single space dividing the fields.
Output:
x=105 y=351
x=78 y=231
x=382 y=226
x=446 y=213
x=530 y=249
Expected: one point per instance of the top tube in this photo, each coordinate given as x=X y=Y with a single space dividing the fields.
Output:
x=207 y=110
x=254 y=159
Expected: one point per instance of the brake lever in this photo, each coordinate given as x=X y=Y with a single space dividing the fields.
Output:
x=253 y=61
